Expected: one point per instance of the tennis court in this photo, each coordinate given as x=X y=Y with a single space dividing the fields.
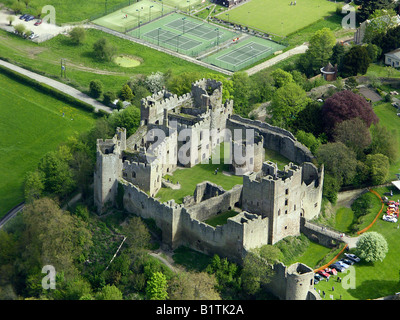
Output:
x=183 y=34
x=242 y=54
x=179 y=40
x=128 y=18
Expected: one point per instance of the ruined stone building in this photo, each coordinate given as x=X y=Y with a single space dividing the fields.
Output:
x=270 y=202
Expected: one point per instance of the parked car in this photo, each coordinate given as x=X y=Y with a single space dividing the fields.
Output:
x=343 y=264
x=389 y=218
x=23 y=16
x=337 y=267
x=332 y=271
x=317 y=278
x=352 y=257
x=34 y=36
x=324 y=274
x=29 y=18
x=348 y=261
x=39 y=22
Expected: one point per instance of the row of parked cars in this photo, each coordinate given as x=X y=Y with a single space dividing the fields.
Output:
x=29 y=17
x=336 y=267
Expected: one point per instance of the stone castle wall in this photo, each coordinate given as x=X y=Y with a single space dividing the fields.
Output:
x=277 y=139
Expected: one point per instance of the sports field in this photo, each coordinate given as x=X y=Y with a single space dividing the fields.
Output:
x=241 y=54
x=278 y=16
x=183 y=34
x=128 y=18
x=31 y=124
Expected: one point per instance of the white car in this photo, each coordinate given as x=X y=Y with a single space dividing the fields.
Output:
x=344 y=265
x=389 y=218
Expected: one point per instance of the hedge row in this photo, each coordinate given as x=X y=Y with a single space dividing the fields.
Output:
x=46 y=89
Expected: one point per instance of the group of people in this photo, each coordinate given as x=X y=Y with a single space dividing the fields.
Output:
x=293 y=3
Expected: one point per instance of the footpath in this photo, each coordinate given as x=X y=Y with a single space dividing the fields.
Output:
x=58 y=86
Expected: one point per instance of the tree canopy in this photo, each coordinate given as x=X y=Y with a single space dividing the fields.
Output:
x=345 y=105
x=372 y=246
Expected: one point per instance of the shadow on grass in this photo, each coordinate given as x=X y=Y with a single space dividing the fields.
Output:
x=192 y=260
x=373 y=289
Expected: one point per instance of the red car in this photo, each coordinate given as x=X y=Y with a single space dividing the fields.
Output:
x=324 y=274
x=38 y=22
x=331 y=271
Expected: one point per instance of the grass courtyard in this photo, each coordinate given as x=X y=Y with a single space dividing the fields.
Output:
x=31 y=124
x=188 y=178
x=279 y=17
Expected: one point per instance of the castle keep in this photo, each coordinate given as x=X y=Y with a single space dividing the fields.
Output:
x=270 y=202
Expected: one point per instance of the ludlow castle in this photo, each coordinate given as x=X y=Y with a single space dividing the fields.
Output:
x=271 y=203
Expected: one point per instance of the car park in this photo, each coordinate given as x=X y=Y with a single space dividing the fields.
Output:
x=353 y=257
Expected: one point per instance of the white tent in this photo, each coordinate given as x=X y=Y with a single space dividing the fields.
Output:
x=396 y=183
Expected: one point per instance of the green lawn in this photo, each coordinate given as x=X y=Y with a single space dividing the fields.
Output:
x=72 y=10
x=382 y=71
x=279 y=17
x=221 y=218
x=190 y=177
x=344 y=219
x=31 y=124
x=81 y=67
x=388 y=118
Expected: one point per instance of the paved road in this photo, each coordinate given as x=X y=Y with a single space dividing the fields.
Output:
x=11 y=214
x=59 y=86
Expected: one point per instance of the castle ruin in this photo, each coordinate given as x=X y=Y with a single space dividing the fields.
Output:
x=270 y=202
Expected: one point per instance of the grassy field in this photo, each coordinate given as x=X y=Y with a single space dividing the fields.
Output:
x=31 y=124
x=82 y=67
x=388 y=118
x=382 y=71
x=72 y=10
x=279 y=17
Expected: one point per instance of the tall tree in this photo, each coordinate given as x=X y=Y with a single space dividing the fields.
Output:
x=339 y=161
x=355 y=62
x=354 y=134
x=384 y=142
x=319 y=51
x=241 y=93
x=378 y=165
x=157 y=286
x=52 y=237
x=345 y=105
x=368 y=7
x=371 y=247
x=286 y=103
